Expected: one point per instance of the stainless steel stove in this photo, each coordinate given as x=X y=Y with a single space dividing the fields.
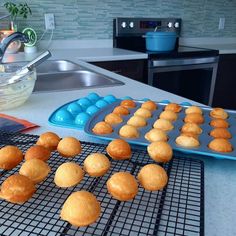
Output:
x=186 y=71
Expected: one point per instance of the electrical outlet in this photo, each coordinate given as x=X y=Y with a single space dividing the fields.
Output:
x=49 y=21
x=221 y=23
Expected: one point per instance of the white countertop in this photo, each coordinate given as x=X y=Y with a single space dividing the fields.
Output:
x=220 y=175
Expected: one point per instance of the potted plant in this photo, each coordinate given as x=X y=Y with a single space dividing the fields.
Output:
x=16 y=10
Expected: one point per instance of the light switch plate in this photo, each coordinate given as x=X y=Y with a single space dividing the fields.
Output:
x=221 y=23
x=49 y=21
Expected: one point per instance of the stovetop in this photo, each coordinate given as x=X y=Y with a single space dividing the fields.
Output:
x=182 y=52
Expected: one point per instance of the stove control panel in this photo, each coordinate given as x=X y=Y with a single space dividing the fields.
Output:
x=139 y=26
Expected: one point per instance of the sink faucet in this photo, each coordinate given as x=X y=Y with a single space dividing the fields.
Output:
x=12 y=37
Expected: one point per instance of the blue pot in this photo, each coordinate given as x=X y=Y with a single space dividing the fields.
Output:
x=160 y=41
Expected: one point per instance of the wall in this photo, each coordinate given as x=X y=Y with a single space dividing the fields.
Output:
x=92 y=19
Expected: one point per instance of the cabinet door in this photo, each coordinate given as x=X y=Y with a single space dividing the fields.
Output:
x=225 y=88
x=134 y=69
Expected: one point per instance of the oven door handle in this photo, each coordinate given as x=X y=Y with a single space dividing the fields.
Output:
x=183 y=61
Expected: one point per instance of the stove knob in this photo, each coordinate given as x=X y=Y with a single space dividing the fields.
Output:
x=123 y=24
x=176 y=24
x=131 y=24
x=170 y=24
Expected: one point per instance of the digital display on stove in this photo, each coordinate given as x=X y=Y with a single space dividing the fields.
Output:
x=149 y=24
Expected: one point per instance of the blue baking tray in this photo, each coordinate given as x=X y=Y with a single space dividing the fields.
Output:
x=204 y=138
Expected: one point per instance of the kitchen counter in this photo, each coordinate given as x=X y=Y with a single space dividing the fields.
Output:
x=220 y=175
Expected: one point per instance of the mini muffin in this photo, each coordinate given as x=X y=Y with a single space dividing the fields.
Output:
x=119 y=149
x=113 y=119
x=152 y=177
x=35 y=169
x=193 y=109
x=163 y=124
x=189 y=134
x=69 y=147
x=150 y=105
x=137 y=121
x=168 y=115
x=145 y=113
x=128 y=103
x=156 y=135
x=191 y=128
x=121 y=110
x=173 y=107
x=10 y=157
x=187 y=141
x=219 y=113
x=160 y=151
x=220 y=133
x=220 y=145
x=37 y=152
x=122 y=186
x=68 y=174
x=128 y=131
x=219 y=123
x=194 y=118
x=17 y=189
x=81 y=209
x=96 y=164
x=102 y=127
x=49 y=140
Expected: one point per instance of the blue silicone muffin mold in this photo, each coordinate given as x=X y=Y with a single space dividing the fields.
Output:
x=204 y=138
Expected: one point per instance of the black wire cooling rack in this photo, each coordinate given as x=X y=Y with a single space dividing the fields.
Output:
x=176 y=210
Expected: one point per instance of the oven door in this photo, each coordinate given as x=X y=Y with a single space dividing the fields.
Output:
x=190 y=78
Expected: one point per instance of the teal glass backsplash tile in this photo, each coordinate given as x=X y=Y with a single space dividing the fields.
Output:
x=92 y=19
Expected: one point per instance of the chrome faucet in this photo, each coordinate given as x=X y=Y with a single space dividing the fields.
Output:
x=12 y=37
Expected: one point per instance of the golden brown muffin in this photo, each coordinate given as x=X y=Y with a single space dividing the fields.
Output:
x=96 y=164
x=121 y=110
x=17 y=189
x=68 y=174
x=163 y=124
x=168 y=115
x=48 y=140
x=152 y=177
x=189 y=134
x=191 y=128
x=193 y=109
x=37 y=152
x=194 y=118
x=35 y=169
x=220 y=133
x=145 y=113
x=122 y=186
x=81 y=209
x=137 y=121
x=160 y=151
x=150 y=105
x=10 y=157
x=69 y=147
x=119 y=149
x=219 y=113
x=156 y=135
x=113 y=119
x=128 y=103
x=219 y=123
x=102 y=128
x=220 y=145
x=187 y=141
x=128 y=131
x=173 y=107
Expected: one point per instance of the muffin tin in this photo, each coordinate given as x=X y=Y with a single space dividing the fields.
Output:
x=75 y=114
x=204 y=138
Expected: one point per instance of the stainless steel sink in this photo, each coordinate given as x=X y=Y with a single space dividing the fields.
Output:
x=61 y=75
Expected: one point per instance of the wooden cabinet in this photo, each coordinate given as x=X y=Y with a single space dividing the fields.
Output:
x=134 y=69
x=225 y=87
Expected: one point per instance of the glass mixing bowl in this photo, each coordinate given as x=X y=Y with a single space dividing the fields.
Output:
x=15 y=94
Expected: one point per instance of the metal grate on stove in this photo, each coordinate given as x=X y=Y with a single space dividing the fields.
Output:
x=176 y=210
